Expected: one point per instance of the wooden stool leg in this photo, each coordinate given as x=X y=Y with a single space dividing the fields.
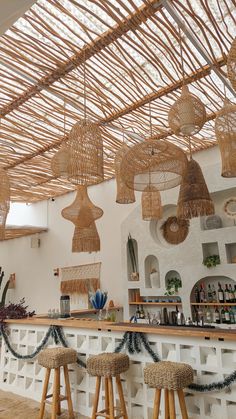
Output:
x=56 y=392
x=68 y=393
x=167 y=410
x=172 y=404
x=121 y=396
x=106 y=394
x=182 y=404
x=44 y=394
x=157 y=401
x=111 y=398
x=96 y=397
x=59 y=392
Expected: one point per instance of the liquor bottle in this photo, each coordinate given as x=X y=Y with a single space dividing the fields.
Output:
x=197 y=294
x=220 y=293
x=222 y=315
x=227 y=300
x=231 y=294
x=209 y=294
x=227 y=316
x=208 y=316
x=142 y=314
x=231 y=316
x=137 y=312
x=216 y=316
x=214 y=295
x=202 y=294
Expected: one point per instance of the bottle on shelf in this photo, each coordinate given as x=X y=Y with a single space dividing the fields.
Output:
x=208 y=315
x=231 y=316
x=137 y=314
x=214 y=294
x=220 y=293
x=197 y=294
x=227 y=299
x=202 y=294
x=227 y=316
x=209 y=294
x=231 y=294
x=142 y=313
x=216 y=316
x=222 y=315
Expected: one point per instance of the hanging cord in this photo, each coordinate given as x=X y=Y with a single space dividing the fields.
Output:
x=181 y=55
x=85 y=104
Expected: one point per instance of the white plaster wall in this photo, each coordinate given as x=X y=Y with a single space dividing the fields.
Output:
x=34 y=267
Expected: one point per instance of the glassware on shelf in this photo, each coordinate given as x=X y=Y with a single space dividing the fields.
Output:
x=65 y=306
x=98 y=300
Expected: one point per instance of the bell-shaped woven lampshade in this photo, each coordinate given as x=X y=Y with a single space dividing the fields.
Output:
x=82 y=212
x=153 y=162
x=60 y=162
x=151 y=204
x=86 y=239
x=231 y=64
x=225 y=129
x=86 y=154
x=124 y=195
x=194 y=198
x=188 y=114
x=4 y=201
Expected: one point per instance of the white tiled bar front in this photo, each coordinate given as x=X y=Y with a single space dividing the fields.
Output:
x=212 y=359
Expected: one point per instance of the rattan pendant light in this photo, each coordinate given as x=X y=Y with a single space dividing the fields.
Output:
x=151 y=204
x=124 y=195
x=194 y=198
x=82 y=212
x=225 y=129
x=86 y=239
x=188 y=114
x=231 y=64
x=4 y=201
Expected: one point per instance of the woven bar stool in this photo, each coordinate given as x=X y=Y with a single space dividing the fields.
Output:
x=170 y=376
x=54 y=358
x=108 y=365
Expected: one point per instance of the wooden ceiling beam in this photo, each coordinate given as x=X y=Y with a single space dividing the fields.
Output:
x=131 y=23
x=197 y=75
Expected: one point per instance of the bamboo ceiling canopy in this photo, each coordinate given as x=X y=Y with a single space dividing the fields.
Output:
x=132 y=54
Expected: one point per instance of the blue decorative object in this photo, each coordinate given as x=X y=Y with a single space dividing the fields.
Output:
x=98 y=300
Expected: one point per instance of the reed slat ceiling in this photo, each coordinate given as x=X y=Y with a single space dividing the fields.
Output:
x=132 y=54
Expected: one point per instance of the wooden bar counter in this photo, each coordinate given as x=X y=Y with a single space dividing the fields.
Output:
x=211 y=352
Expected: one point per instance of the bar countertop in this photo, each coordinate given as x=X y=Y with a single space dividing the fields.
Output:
x=206 y=333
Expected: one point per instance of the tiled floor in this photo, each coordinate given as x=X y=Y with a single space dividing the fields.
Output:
x=16 y=407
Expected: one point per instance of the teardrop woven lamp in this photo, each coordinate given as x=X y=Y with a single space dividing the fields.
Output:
x=82 y=212
x=188 y=114
x=124 y=195
x=60 y=162
x=86 y=239
x=153 y=162
x=225 y=129
x=231 y=64
x=194 y=198
x=151 y=204
x=4 y=201
x=86 y=154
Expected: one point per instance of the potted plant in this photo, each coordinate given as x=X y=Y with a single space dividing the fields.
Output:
x=132 y=256
x=211 y=261
x=172 y=286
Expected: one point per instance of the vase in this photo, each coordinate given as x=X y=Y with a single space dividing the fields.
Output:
x=134 y=276
x=100 y=314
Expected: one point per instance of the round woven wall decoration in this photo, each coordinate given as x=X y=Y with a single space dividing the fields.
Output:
x=86 y=154
x=231 y=64
x=153 y=162
x=4 y=201
x=230 y=207
x=151 y=204
x=188 y=114
x=60 y=162
x=175 y=230
x=225 y=129
x=124 y=195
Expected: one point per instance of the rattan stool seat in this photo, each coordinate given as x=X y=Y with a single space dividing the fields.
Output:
x=107 y=364
x=57 y=357
x=168 y=375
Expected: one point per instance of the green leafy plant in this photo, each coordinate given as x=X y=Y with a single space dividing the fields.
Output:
x=211 y=261
x=132 y=254
x=4 y=293
x=172 y=286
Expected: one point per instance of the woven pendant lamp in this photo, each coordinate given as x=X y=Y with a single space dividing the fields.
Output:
x=124 y=195
x=86 y=154
x=194 y=198
x=225 y=129
x=82 y=212
x=231 y=64
x=60 y=162
x=153 y=162
x=4 y=201
x=86 y=239
x=187 y=115
x=151 y=204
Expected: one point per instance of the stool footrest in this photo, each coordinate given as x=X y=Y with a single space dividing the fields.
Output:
x=105 y=413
